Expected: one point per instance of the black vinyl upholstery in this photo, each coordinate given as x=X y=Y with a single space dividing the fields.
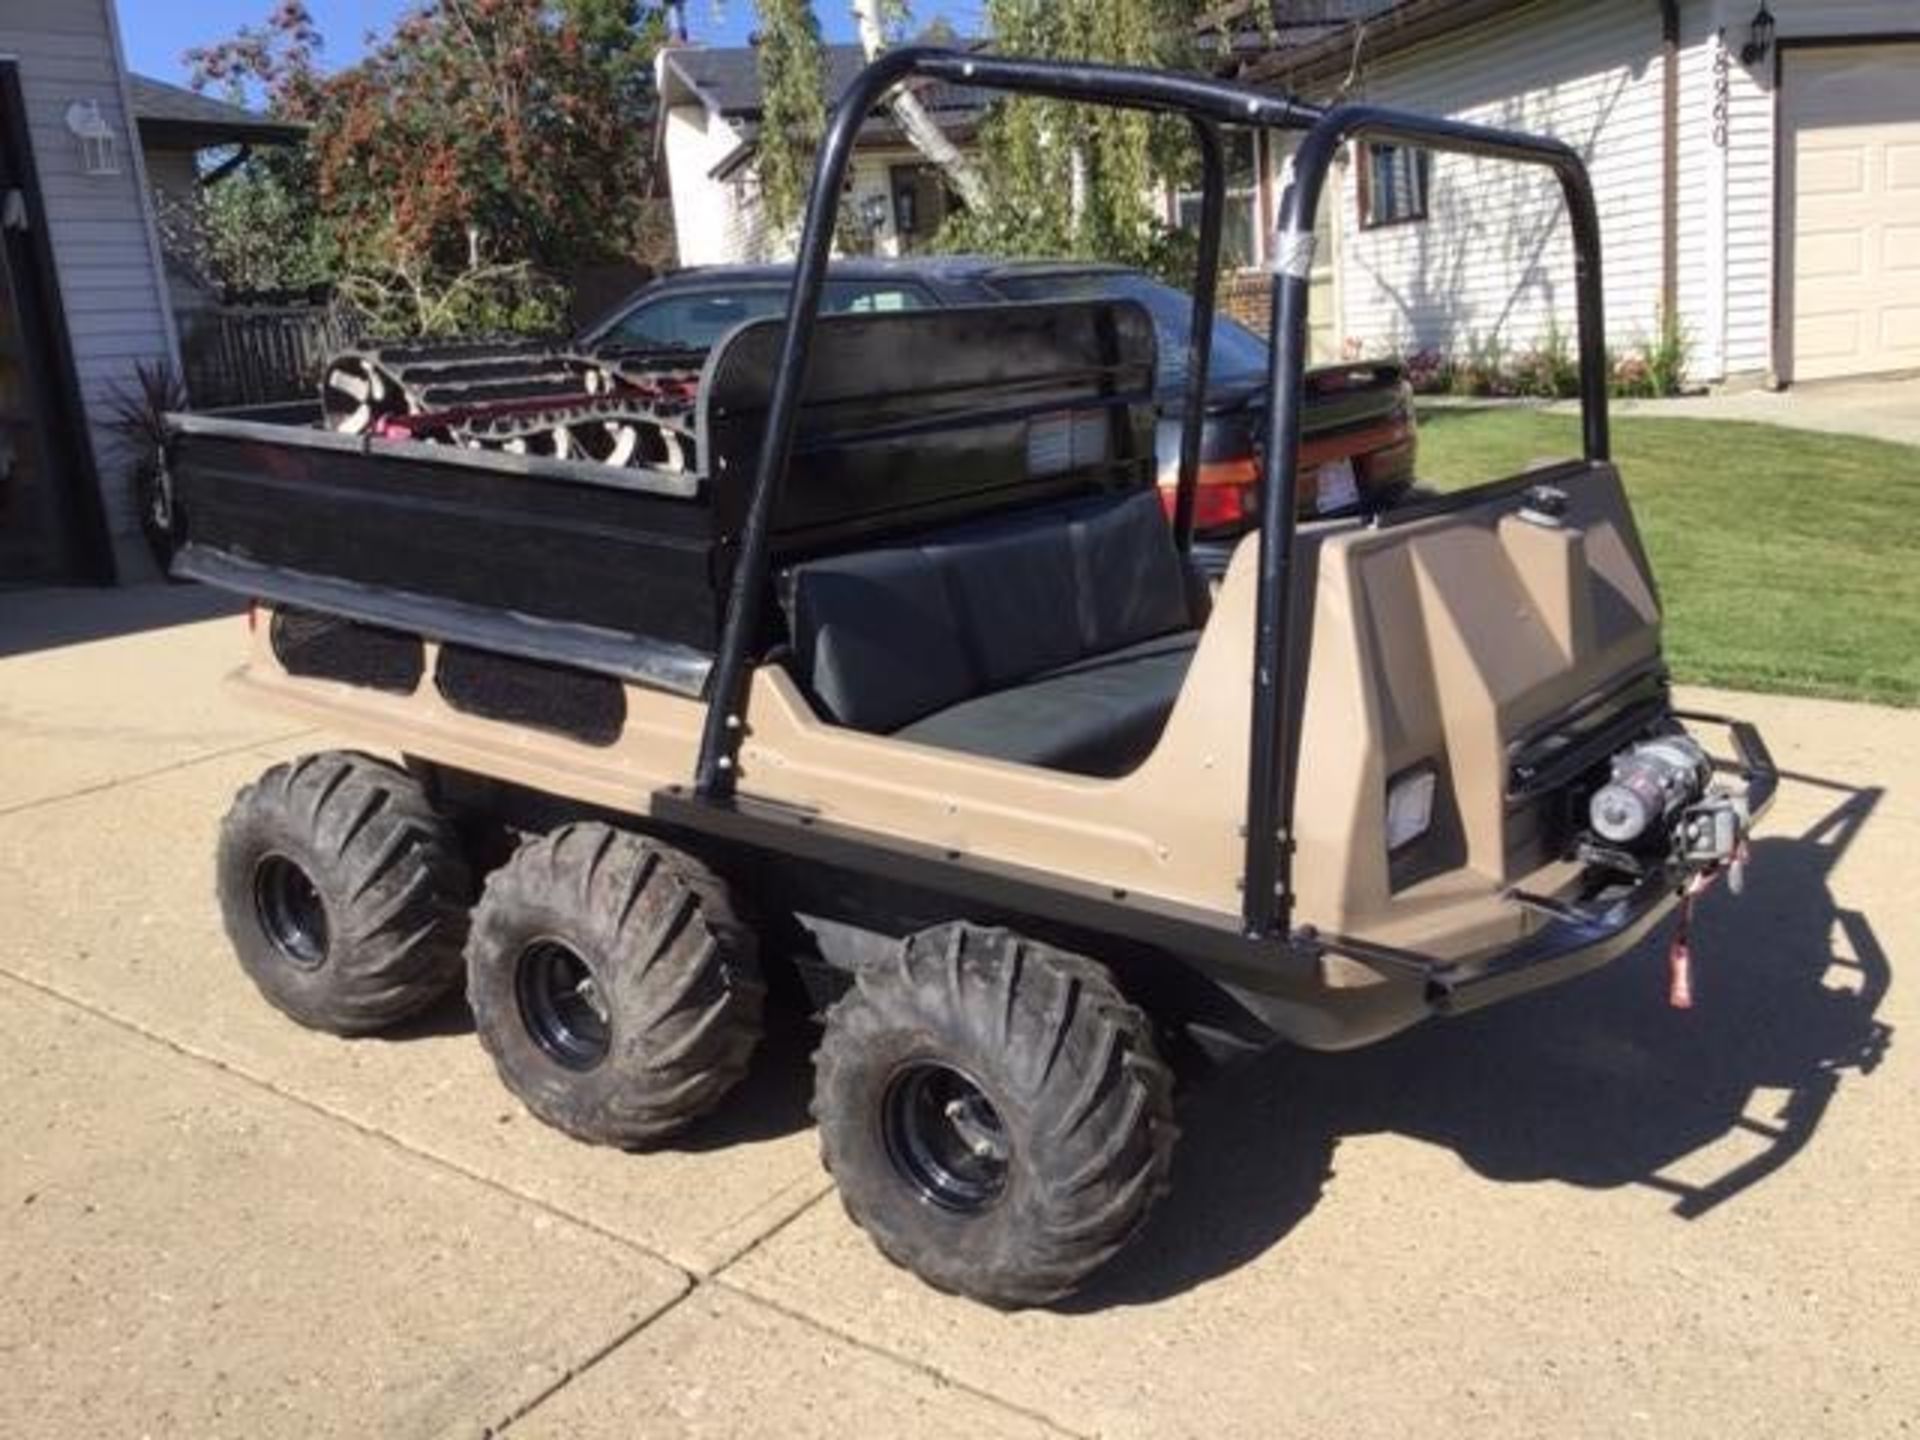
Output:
x=1058 y=637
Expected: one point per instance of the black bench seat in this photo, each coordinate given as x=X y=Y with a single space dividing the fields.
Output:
x=1099 y=717
x=1058 y=638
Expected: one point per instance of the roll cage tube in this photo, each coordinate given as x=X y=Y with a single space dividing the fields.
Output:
x=1271 y=761
x=1266 y=906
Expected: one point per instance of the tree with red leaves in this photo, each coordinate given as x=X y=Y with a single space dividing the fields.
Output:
x=478 y=137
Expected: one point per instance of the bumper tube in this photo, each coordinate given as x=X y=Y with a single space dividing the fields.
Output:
x=1576 y=937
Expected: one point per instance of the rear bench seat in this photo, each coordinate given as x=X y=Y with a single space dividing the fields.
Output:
x=1057 y=638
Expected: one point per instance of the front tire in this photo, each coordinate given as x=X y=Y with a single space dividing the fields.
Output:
x=343 y=892
x=994 y=1113
x=612 y=982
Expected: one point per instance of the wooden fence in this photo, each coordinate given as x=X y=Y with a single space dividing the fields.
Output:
x=258 y=355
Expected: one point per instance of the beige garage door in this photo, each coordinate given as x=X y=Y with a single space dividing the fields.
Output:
x=1851 y=184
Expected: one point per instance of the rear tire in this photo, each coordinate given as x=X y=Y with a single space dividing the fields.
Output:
x=612 y=982
x=994 y=1113
x=343 y=893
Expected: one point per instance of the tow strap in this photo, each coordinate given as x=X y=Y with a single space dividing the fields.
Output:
x=1680 y=950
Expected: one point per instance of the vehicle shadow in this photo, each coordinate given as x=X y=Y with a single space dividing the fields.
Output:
x=49 y=619
x=1597 y=1083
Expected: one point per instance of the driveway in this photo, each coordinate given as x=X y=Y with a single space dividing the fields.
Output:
x=1580 y=1214
x=1878 y=409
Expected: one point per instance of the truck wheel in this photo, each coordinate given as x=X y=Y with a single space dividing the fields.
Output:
x=613 y=984
x=995 y=1115
x=344 y=894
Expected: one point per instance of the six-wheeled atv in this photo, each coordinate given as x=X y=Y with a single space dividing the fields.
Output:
x=900 y=670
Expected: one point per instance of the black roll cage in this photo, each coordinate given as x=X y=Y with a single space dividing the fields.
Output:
x=1208 y=105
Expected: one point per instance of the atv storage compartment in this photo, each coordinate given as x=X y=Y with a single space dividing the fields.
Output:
x=910 y=420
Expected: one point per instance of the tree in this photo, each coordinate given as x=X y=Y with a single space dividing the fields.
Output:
x=498 y=137
x=1054 y=178
x=875 y=18
x=793 y=105
x=1076 y=180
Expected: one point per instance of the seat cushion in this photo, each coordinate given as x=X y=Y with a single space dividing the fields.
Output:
x=878 y=639
x=1099 y=716
x=885 y=637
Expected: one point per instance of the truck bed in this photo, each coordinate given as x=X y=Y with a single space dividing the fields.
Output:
x=909 y=420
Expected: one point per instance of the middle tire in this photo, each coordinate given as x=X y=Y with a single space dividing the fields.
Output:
x=611 y=981
x=993 y=1112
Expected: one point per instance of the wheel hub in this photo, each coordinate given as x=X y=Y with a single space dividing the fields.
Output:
x=291 y=911
x=561 y=1005
x=945 y=1137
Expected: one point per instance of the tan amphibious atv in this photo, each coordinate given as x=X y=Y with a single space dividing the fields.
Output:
x=869 y=647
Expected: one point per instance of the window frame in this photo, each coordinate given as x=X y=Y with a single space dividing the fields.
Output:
x=1252 y=191
x=1422 y=198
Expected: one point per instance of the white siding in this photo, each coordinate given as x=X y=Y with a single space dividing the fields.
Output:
x=707 y=223
x=97 y=226
x=1702 y=138
x=720 y=222
x=1749 y=215
x=1493 y=261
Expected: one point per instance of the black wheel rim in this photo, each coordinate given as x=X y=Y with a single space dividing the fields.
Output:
x=291 y=911
x=945 y=1138
x=560 y=1005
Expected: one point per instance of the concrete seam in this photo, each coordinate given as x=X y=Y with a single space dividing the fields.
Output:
x=692 y=1281
x=527 y=1407
x=133 y=1027
x=202 y=759
x=715 y=1270
x=932 y=1373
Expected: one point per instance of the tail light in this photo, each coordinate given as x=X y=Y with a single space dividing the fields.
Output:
x=1227 y=493
x=1382 y=454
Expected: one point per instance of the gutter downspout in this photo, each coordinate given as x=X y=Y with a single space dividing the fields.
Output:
x=1669 y=164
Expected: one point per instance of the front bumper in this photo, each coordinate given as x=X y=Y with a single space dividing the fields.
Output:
x=1582 y=936
x=1575 y=936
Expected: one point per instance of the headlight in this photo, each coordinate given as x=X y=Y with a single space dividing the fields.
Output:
x=1410 y=806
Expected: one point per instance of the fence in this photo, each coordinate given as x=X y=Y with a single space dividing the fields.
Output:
x=257 y=355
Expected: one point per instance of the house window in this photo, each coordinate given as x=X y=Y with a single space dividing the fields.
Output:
x=1240 y=220
x=1393 y=184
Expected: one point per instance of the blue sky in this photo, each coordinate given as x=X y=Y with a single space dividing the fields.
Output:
x=157 y=31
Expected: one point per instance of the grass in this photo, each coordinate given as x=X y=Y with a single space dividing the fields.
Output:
x=1787 y=560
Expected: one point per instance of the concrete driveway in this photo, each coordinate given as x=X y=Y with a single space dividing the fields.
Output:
x=1581 y=1214
x=1883 y=409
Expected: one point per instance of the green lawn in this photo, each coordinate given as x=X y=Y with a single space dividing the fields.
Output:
x=1787 y=560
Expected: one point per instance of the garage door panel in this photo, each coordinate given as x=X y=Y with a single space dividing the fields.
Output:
x=1832 y=170
x=1900 y=331
x=1900 y=248
x=1832 y=254
x=1834 y=334
x=1903 y=164
x=1851 y=230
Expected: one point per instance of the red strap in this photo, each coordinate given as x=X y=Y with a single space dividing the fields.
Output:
x=1680 y=951
x=1680 y=958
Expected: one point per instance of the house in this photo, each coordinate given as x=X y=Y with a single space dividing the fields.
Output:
x=82 y=296
x=1756 y=165
x=708 y=134
x=86 y=292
